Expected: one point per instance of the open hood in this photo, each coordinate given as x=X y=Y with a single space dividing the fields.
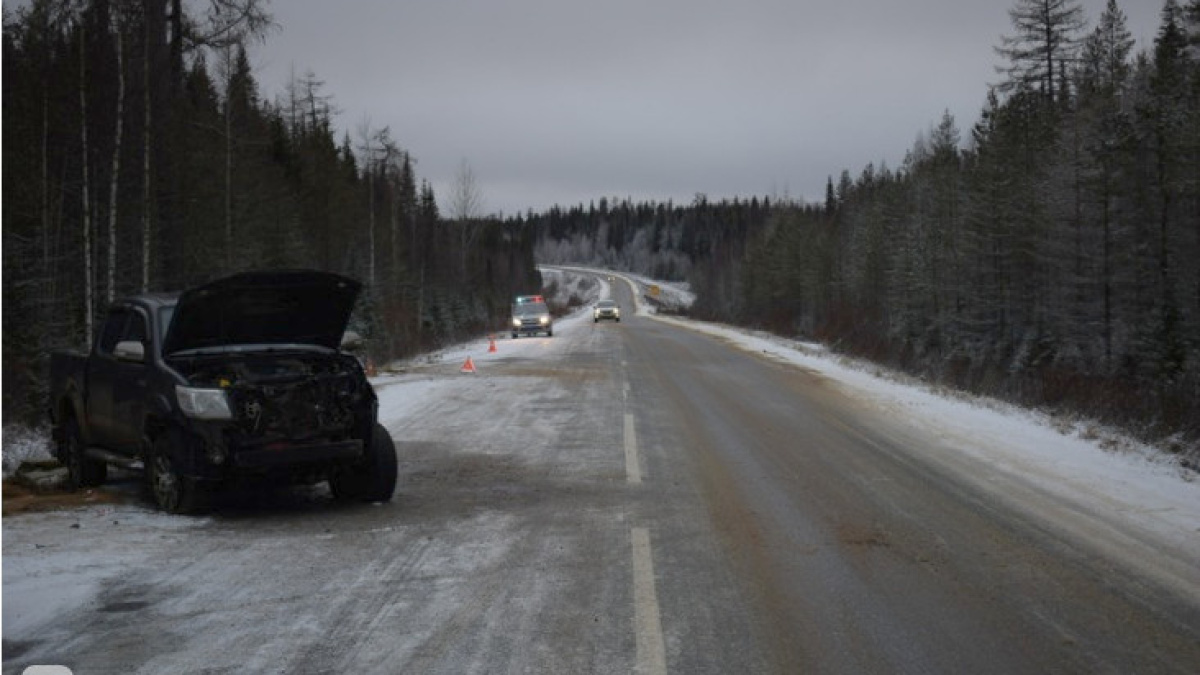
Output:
x=303 y=307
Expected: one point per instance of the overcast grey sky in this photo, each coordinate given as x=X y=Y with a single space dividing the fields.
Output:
x=565 y=101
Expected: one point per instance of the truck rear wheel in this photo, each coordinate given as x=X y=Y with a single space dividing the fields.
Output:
x=371 y=479
x=82 y=471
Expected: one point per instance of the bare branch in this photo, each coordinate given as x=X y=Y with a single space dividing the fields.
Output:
x=228 y=22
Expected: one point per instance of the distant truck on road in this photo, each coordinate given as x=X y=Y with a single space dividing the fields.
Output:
x=241 y=378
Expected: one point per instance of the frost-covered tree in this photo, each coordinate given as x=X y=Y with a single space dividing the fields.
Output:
x=466 y=207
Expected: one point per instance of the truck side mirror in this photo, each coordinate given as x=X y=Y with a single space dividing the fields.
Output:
x=130 y=350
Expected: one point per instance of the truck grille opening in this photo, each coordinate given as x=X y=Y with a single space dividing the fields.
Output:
x=293 y=397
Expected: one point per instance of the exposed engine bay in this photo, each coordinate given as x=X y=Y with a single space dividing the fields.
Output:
x=289 y=396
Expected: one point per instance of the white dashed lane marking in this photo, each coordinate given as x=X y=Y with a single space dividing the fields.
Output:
x=633 y=470
x=651 y=653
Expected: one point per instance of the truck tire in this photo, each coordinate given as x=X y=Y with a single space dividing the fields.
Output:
x=172 y=492
x=371 y=479
x=82 y=471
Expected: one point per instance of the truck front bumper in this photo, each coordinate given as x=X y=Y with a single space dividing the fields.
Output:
x=287 y=454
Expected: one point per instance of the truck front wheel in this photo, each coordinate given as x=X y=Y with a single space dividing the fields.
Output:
x=371 y=479
x=82 y=471
x=172 y=492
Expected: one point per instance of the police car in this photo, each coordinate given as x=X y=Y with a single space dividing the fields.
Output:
x=531 y=316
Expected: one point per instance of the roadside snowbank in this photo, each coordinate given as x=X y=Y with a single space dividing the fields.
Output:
x=1100 y=470
x=22 y=444
x=585 y=289
x=672 y=296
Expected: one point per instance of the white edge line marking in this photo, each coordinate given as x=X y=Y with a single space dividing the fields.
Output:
x=651 y=651
x=633 y=472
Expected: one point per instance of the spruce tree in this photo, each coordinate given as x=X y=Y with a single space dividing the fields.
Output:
x=1044 y=44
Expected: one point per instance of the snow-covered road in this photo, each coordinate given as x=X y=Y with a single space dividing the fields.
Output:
x=645 y=497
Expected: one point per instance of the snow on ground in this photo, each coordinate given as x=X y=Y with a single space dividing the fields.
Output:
x=674 y=296
x=583 y=287
x=405 y=386
x=22 y=444
x=1138 y=484
x=59 y=576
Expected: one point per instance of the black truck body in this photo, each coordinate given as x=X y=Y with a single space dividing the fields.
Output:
x=240 y=378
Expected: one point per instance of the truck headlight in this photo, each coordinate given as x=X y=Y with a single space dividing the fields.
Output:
x=543 y=320
x=203 y=404
x=516 y=322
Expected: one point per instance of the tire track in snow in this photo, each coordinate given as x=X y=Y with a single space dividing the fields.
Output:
x=361 y=608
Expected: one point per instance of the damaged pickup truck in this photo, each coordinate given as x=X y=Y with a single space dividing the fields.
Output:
x=242 y=378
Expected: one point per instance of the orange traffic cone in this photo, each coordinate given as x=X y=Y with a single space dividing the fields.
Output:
x=469 y=366
x=491 y=344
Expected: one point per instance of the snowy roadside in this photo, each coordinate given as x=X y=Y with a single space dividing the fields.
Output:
x=582 y=288
x=405 y=387
x=1084 y=464
x=22 y=444
x=648 y=294
x=1017 y=439
x=655 y=296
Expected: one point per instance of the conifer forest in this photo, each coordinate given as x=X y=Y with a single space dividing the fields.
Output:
x=140 y=155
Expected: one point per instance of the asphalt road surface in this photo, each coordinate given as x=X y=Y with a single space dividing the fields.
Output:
x=620 y=498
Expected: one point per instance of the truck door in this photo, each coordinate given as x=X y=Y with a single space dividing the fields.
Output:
x=129 y=388
x=102 y=368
